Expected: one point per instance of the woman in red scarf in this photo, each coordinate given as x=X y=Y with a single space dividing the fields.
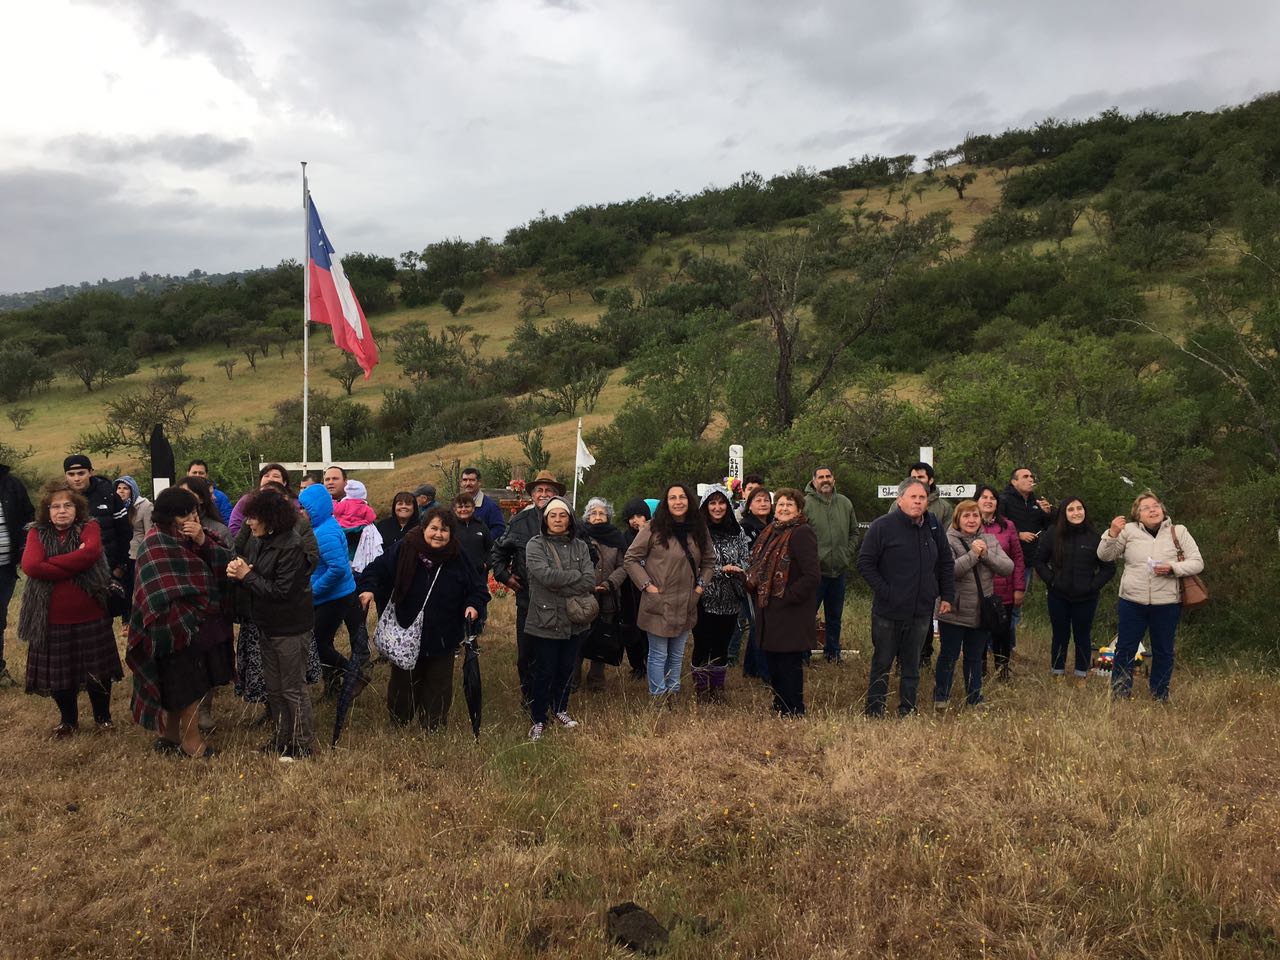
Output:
x=783 y=580
x=63 y=617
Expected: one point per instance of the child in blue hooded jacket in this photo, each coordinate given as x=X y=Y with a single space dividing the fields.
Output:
x=333 y=587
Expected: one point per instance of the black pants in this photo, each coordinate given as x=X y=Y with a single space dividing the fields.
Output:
x=636 y=642
x=1002 y=642
x=68 y=702
x=526 y=656
x=553 y=668
x=786 y=676
x=425 y=691
x=901 y=640
x=711 y=635
x=329 y=616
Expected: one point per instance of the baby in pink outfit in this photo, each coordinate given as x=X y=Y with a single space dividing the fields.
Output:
x=353 y=510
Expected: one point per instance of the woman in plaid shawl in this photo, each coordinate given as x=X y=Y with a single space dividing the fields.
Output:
x=63 y=617
x=179 y=642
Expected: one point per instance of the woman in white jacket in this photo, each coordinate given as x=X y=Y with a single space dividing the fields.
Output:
x=1156 y=552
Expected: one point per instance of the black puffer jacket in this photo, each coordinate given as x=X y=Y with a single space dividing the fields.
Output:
x=113 y=520
x=276 y=595
x=18 y=512
x=1081 y=574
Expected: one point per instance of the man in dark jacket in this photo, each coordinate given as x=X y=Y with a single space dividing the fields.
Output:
x=1032 y=515
x=909 y=566
x=105 y=507
x=508 y=565
x=15 y=513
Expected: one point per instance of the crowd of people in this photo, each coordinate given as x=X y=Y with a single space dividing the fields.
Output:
x=252 y=595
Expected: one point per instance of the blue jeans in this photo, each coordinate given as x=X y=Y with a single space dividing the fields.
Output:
x=8 y=580
x=1015 y=613
x=1136 y=619
x=952 y=638
x=666 y=660
x=1068 y=617
x=831 y=602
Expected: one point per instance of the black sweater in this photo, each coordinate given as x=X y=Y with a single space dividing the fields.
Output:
x=907 y=565
x=1082 y=574
x=459 y=586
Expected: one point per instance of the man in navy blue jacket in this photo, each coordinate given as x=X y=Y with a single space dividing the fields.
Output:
x=906 y=560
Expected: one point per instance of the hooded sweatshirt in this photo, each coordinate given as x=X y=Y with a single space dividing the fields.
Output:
x=141 y=508
x=331 y=579
x=353 y=510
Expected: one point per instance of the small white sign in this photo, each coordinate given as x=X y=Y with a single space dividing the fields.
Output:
x=735 y=461
x=949 y=491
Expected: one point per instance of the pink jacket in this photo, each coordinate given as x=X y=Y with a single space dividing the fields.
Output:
x=1008 y=539
x=353 y=513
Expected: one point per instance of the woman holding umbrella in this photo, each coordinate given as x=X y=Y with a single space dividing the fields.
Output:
x=426 y=572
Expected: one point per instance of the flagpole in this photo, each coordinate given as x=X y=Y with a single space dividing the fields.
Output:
x=577 y=470
x=306 y=311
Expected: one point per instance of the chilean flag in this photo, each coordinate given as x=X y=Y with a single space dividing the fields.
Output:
x=333 y=302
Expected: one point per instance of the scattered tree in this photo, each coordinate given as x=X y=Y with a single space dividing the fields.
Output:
x=20 y=417
x=957 y=182
x=452 y=300
x=228 y=364
x=346 y=372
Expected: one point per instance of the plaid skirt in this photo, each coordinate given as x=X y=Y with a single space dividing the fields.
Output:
x=189 y=674
x=72 y=655
x=251 y=685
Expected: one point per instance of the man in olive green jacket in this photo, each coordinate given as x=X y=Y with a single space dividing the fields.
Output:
x=832 y=518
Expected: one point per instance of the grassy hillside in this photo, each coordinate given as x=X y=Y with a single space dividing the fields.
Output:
x=67 y=411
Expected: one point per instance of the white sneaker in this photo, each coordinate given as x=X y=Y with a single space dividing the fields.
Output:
x=535 y=732
x=566 y=721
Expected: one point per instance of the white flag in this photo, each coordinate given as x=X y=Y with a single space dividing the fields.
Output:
x=585 y=461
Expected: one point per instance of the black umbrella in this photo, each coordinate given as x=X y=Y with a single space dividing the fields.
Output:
x=353 y=681
x=471 y=677
x=162 y=465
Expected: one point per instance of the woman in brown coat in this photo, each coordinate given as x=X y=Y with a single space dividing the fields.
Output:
x=670 y=561
x=783 y=581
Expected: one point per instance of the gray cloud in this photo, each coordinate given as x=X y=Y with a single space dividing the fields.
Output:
x=196 y=152
x=190 y=34
x=423 y=119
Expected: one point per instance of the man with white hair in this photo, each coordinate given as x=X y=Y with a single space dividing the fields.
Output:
x=906 y=560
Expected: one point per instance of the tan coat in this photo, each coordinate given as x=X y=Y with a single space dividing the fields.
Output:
x=967 y=610
x=674 y=608
x=1140 y=550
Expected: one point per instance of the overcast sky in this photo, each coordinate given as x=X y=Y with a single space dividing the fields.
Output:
x=163 y=135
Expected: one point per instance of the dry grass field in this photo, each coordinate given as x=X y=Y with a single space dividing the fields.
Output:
x=1052 y=824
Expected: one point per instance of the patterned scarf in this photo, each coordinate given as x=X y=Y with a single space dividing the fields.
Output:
x=771 y=561
x=175 y=592
x=33 y=617
x=415 y=553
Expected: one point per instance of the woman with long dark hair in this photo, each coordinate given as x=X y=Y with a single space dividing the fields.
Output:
x=1067 y=561
x=721 y=600
x=784 y=577
x=179 y=643
x=210 y=516
x=670 y=561
x=63 y=618
x=426 y=572
x=1012 y=588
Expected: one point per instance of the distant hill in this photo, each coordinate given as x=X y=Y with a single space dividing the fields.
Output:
x=128 y=286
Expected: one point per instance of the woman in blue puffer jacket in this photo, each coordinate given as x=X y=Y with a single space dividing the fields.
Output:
x=333 y=587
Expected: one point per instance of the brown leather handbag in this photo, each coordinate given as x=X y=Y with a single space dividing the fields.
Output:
x=1191 y=588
